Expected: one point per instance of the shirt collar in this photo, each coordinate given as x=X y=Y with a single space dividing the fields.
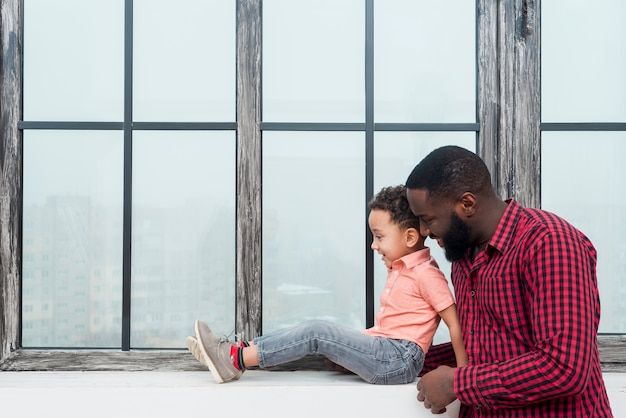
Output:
x=506 y=226
x=413 y=259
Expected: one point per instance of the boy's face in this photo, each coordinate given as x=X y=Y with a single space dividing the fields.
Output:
x=389 y=241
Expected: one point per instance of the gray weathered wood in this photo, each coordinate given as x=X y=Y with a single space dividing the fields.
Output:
x=488 y=86
x=611 y=356
x=509 y=96
x=87 y=360
x=249 y=238
x=526 y=96
x=110 y=360
x=10 y=175
x=612 y=353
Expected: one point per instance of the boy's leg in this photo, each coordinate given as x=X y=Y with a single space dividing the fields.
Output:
x=375 y=360
x=250 y=356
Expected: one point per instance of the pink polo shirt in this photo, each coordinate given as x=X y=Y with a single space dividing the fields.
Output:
x=416 y=290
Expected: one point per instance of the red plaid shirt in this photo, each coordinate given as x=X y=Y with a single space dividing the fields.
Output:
x=529 y=310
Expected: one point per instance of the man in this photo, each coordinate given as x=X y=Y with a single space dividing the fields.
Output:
x=527 y=298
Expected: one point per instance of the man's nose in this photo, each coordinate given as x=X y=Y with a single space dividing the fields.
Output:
x=424 y=230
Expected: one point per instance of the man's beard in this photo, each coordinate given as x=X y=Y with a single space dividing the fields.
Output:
x=457 y=239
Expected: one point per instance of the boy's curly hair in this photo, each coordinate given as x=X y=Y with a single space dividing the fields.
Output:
x=393 y=199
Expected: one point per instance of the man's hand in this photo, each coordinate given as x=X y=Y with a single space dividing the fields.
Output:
x=436 y=389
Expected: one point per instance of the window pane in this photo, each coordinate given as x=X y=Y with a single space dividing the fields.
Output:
x=72 y=242
x=313 y=55
x=313 y=228
x=585 y=184
x=184 y=60
x=395 y=156
x=183 y=259
x=73 y=60
x=424 y=58
x=583 y=61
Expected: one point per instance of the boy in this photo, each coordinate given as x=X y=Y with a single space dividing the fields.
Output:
x=415 y=298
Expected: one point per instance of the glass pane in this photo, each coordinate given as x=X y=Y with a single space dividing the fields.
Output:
x=183 y=260
x=425 y=61
x=72 y=242
x=392 y=167
x=73 y=60
x=592 y=199
x=583 y=61
x=313 y=57
x=313 y=228
x=185 y=72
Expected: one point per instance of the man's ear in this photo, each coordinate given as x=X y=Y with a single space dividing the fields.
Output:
x=467 y=204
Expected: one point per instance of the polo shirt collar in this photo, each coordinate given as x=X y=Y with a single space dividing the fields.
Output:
x=414 y=259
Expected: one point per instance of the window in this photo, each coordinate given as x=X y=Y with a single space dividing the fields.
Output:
x=584 y=135
x=187 y=145
x=180 y=188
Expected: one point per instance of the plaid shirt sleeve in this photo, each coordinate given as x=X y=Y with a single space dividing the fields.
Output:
x=441 y=354
x=531 y=313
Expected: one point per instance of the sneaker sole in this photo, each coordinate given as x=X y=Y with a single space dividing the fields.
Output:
x=192 y=345
x=205 y=355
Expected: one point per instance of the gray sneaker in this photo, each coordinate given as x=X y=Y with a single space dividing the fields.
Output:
x=192 y=345
x=215 y=352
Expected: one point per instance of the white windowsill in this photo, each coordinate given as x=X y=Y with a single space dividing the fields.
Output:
x=194 y=393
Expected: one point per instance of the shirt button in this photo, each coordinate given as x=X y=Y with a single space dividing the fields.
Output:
x=473 y=293
x=396 y=272
x=387 y=291
x=382 y=309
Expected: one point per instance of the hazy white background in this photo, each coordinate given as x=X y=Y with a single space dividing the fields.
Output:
x=314 y=205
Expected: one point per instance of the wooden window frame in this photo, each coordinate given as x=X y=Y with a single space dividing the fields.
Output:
x=508 y=68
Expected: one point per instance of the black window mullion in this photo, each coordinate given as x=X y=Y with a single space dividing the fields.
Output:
x=369 y=157
x=128 y=172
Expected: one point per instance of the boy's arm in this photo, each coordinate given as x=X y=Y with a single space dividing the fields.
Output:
x=451 y=319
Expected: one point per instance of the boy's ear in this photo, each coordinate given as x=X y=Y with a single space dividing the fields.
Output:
x=412 y=237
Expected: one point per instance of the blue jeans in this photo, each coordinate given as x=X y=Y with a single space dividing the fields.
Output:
x=374 y=359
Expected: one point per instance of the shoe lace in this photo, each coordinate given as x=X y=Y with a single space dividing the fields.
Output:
x=233 y=336
x=224 y=339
